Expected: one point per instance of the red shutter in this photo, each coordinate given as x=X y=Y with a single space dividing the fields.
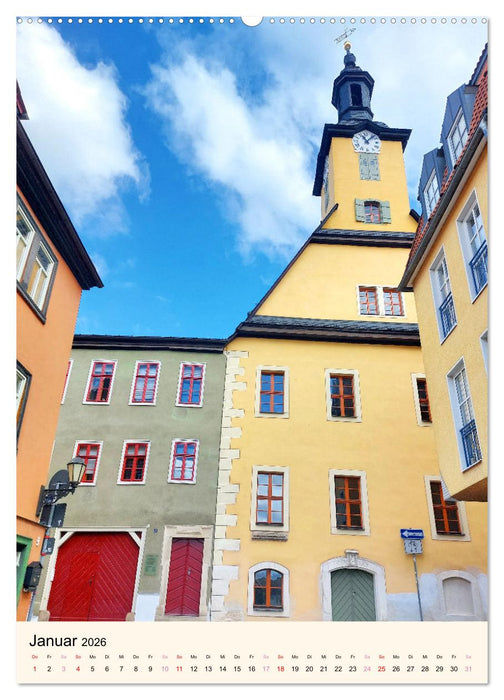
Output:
x=184 y=578
x=94 y=578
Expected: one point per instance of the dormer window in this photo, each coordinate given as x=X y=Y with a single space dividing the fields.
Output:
x=431 y=194
x=457 y=136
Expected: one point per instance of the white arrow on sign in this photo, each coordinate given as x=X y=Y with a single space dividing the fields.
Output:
x=412 y=534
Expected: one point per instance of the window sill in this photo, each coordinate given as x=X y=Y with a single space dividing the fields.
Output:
x=270 y=535
x=38 y=312
x=479 y=293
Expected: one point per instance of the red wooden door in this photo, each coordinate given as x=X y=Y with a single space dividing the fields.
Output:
x=94 y=578
x=184 y=577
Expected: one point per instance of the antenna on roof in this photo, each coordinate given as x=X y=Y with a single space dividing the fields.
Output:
x=345 y=34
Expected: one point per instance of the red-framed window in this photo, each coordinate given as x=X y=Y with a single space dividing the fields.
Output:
x=393 y=302
x=423 y=400
x=145 y=382
x=342 y=396
x=270 y=498
x=67 y=377
x=184 y=460
x=100 y=382
x=348 y=502
x=90 y=453
x=191 y=384
x=368 y=301
x=268 y=589
x=134 y=462
x=372 y=212
x=272 y=393
x=446 y=515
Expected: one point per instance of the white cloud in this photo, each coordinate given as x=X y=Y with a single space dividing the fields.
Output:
x=77 y=123
x=253 y=152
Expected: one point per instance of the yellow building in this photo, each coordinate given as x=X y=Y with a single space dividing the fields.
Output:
x=327 y=448
x=448 y=271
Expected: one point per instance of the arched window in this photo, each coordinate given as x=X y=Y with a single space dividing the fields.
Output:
x=268 y=590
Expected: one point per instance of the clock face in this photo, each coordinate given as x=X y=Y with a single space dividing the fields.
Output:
x=366 y=142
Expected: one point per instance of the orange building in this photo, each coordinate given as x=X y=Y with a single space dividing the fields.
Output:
x=53 y=268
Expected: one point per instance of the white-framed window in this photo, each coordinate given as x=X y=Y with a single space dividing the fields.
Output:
x=191 y=384
x=484 y=348
x=431 y=193
x=269 y=511
x=67 y=379
x=343 y=401
x=36 y=262
x=183 y=461
x=457 y=136
x=421 y=398
x=349 y=506
x=23 y=379
x=463 y=416
x=145 y=383
x=442 y=294
x=379 y=300
x=473 y=243
x=90 y=451
x=268 y=590
x=447 y=517
x=272 y=392
x=100 y=382
x=134 y=462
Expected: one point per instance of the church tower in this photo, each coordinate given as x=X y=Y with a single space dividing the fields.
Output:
x=326 y=447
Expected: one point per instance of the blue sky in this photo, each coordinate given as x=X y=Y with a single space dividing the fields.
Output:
x=185 y=152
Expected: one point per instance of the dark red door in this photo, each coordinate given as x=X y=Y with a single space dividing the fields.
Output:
x=184 y=577
x=94 y=578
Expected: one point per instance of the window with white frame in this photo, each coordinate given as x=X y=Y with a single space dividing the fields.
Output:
x=269 y=516
x=447 y=517
x=343 y=395
x=484 y=348
x=23 y=379
x=457 y=136
x=100 y=382
x=272 y=392
x=134 y=460
x=443 y=298
x=463 y=416
x=90 y=452
x=474 y=245
x=268 y=590
x=144 y=387
x=67 y=379
x=377 y=300
x=348 y=502
x=183 y=461
x=36 y=263
x=431 y=193
x=190 y=386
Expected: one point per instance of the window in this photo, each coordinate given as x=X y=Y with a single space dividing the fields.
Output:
x=268 y=588
x=474 y=245
x=368 y=166
x=380 y=301
x=190 y=391
x=443 y=298
x=36 y=263
x=90 y=452
x=422 y=405
x=484 y=348
x=457 y=136
x=101 y=377
x=431 y=194
x=356 y=94
x=463 y=415
x=372 y=211
x=145 y=383
x=23 y=380
x=269 y=517
x=272 y=398
x=134 y=462
x=447 y=517
x=67 y=377
x=349 y=506
x=342 y=395
x=184 y=457
x=325 y=183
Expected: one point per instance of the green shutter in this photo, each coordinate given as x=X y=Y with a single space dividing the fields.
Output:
x=352 y=595
x=360 y=214
x=385 y=212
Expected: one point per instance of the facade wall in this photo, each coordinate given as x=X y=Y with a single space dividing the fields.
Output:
x=157 y=509
x=42 y=349
x=463 y=341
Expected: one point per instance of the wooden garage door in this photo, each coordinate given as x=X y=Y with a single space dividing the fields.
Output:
x=184 y=577
x=94 y=578
x=352 y=595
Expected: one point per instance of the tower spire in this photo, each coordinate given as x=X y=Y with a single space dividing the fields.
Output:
x=352 y=91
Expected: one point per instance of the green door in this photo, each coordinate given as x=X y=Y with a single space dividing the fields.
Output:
x=352 y=595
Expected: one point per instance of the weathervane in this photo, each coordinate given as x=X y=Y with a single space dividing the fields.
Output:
x=345 y=34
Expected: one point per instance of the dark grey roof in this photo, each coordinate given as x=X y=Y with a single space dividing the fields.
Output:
x=398 y=239
x=144 y=342
x=380 y=332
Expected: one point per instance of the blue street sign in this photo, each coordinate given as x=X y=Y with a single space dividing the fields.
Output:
x=408 y=533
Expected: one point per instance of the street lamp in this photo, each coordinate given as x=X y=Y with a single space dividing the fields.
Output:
x=64 y=482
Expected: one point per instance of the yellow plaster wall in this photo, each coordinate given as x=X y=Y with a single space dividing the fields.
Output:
x=463 y=341
x=388 y=445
